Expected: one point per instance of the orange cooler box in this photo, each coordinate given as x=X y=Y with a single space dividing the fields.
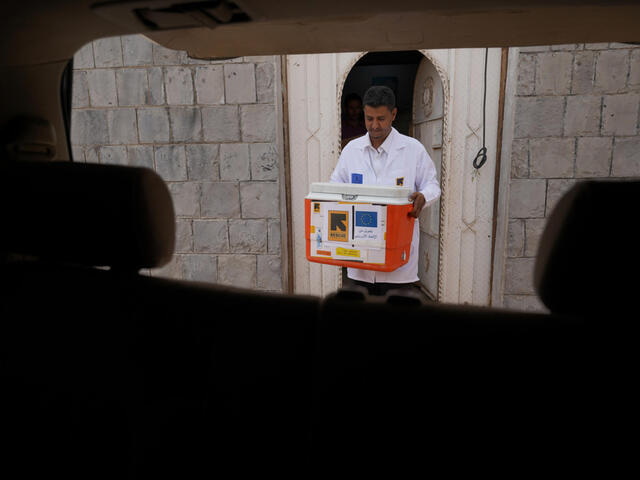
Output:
x=358 y=226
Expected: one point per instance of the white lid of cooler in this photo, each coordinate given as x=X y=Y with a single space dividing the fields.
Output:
x=351 y=189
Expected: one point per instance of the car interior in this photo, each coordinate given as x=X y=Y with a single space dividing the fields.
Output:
x=108 y=373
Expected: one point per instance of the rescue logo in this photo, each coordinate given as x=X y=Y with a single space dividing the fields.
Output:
x=400 y=181
x=338 y=225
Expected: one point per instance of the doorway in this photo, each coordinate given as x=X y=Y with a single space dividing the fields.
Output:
x=419 y=99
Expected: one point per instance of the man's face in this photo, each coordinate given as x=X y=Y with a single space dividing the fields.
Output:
x=378 y=121
x=354 y=109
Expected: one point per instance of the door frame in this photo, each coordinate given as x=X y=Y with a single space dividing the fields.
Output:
x=315 y=84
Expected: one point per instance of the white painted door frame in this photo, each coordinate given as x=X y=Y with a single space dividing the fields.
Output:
x=314 y=86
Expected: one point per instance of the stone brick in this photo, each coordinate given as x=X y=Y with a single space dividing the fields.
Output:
x=122 y=126
x=239 y=83
x=593 y=158
x=92 y=154
x=188 y=60
x=520 y=158
x=519 y=276
x=634 y=73
x=80 y=90
x=626 y=157
x=155 y=94
x=186 y=124
x=553 y=76
x=210 y=236
x=583 y=72
x=259 y=59
x=621 y=45
x=77 y=154
x=112 y=155
x=611 y=70
x=264 y=161
x=539 y=116
x=209 y=85
x=237 y=270
x=220 y=200
x=186 y=198
x=215 y=60
x=84 y=57
x=137 y=50
x=534 y=227
x=259 y=200
x=102 y=88
x=200 y=268
x=89 y=127
x=153 y=125
x=178 y=85
x=173 y=269
x=221 y=124
x=234 y=161
x=140 y=156
x=582 y=116
x=555 y=190
x=265 y=82
x=248 y=236
x=596 y=46
x=269 y=273
x=551 y=157
x=515 y=238
x=258 y=123
x=107 y=52
x=274 y=237
x=171 y=162
x=132 y=86
x=165 y=56
x=526 y=198
x=567 y=47
x=526 y=303
x=184 y=235
x=620 y=114
x=538 y=48
x=202 y=162
x=526 y=75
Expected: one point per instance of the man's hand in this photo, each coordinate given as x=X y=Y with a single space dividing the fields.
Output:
x=418 y=204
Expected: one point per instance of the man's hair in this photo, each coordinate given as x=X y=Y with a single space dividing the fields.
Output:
x=379 y=95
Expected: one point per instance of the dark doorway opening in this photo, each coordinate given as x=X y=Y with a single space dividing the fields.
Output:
x=397 y=70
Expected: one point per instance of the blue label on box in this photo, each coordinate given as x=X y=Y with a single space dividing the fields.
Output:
x=366 y=219
x=356 y=178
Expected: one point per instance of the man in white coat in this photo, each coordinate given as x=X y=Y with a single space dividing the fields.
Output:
x=386 y=157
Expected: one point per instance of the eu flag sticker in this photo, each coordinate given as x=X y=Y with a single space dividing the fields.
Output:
x=366 y=219
x=356 y=178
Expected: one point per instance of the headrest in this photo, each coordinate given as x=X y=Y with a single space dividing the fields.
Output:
x=588 y=260
x=96 y=215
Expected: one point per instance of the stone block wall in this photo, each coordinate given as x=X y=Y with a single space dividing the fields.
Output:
x=577 y=110
x=209 y=129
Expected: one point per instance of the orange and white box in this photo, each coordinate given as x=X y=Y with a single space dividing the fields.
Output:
x=358 y=226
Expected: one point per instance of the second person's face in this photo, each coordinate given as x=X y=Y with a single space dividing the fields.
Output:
x=354 y=110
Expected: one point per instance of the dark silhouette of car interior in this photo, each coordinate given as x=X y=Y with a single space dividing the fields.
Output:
x=107 y=373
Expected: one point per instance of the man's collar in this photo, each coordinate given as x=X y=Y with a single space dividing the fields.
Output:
x=386 y=145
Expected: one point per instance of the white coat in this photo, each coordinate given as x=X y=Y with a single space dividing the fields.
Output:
x=400 y=160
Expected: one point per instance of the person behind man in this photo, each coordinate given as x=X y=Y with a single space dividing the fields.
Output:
x=352 y=120
x=386 y=157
